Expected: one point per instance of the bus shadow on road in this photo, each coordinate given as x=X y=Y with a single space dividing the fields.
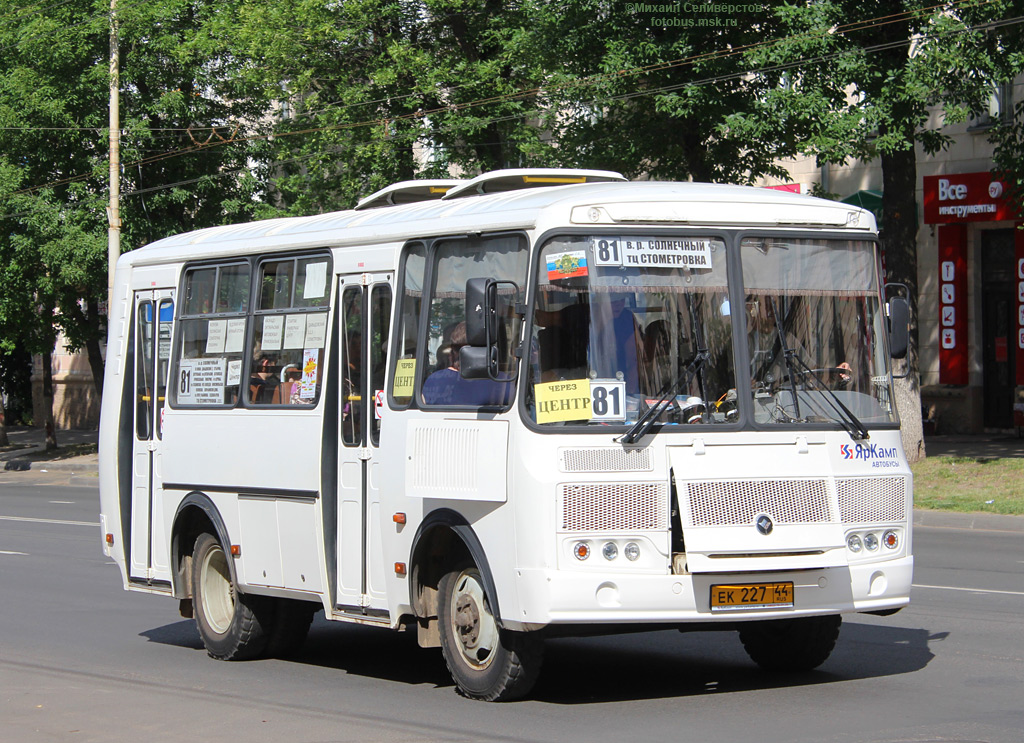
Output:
x=609 y=668
x=668 y=664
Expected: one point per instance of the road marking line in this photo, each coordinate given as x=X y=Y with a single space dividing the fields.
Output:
x=8 y=552
x=49 y=521
x=969 y=590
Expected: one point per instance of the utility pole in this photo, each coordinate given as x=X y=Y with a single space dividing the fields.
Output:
x=114 y=210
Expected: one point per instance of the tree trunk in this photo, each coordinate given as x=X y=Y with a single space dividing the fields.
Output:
x=48 y=422
x=92 y=345
x=899 y=243
x=4 y=441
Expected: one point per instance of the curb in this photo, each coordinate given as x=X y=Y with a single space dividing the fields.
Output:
x=26 y=465
x=979 y=521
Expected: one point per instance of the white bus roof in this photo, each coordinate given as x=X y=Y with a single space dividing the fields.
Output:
x=602 y=206
x=499 y=181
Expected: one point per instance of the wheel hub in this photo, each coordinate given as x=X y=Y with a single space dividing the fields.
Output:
x=467 y=619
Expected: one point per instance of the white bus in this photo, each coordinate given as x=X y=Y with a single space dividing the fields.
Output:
x=512 y=412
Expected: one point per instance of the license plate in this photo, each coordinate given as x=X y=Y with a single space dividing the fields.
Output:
x=737 y=596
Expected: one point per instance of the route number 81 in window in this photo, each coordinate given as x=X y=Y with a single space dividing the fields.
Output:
x=607 y=400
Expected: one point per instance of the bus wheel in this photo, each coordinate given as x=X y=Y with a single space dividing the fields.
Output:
x=791 y=644
x=486 y=662
x=291 y=625
x=232 y=624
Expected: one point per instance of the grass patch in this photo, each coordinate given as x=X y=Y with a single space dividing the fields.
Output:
x=970 y=484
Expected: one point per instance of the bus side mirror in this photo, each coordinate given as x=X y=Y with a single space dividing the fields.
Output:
x=485 y=355
x=899 y=327
x=481 y=322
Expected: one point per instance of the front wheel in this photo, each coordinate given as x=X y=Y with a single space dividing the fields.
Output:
x=791 y=645
x=233 y=625
x=487 y=662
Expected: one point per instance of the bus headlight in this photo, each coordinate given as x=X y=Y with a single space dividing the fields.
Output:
x=854 y=544
x=610 y=551
x=632 y=552
x=871 y=542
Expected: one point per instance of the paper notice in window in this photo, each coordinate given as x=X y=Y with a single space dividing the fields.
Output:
x=568 y=400
x=235 y=341
x=273 y=328
x=310 y=371
x=216 y=332
x=294 y=331
x=316 y=281
x=316 y=330
x=234 y=373
x=405 y=378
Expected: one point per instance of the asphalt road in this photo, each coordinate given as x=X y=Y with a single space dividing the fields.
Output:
x=82 y=660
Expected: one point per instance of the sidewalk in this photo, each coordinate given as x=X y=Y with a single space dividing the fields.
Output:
x=28 y=446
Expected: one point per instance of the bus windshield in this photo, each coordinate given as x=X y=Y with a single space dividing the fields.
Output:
x=814 y=331
x=621 y=323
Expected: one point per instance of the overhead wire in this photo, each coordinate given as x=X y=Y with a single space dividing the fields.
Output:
x=521 y=95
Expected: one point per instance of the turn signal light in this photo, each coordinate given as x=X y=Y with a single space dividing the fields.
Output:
x=110 y=539
x=236 y=550
x=399 y=568
x=398 y=518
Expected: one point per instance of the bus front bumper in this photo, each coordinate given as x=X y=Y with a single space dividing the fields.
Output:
x=583 y=597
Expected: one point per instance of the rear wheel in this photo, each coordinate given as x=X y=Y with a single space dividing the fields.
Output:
x=291 y=625
x=487 y=662
x=233 y=625
x=791 y=645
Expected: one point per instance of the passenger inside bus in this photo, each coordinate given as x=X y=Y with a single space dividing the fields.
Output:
x=447 y=387
x=264 y=379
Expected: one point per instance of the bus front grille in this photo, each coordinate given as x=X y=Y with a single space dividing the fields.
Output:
x=605 y=459
x=864 y=500
x=614 y=506
x=737 y=502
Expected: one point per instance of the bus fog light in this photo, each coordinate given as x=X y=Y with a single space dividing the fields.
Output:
x=632 y=552
x=854 y=544
x=871 y=542
x=610 y=551
x=891 y=540
x=581 y=550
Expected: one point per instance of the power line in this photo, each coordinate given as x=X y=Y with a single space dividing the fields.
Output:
x=519 y=96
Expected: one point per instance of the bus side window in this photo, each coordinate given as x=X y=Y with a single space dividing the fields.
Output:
x=403 y=376
x=289 y=332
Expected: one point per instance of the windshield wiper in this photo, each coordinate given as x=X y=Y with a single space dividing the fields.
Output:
x=645 y=421
x=853 y=425
x=788 y=354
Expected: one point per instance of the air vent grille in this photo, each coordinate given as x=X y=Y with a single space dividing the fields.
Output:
x=864 y=500
x=735 y=502
x=614 y=506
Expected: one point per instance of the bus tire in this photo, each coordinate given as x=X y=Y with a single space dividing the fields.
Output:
x=791 y=645
x=233 y=625
x=486 y=662
x=291 y=625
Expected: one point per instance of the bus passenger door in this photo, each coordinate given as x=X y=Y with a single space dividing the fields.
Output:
x=154 y=315
x=364 y=322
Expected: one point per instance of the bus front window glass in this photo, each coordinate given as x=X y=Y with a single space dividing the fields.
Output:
x=621 y=322
x=814 y=331
x=403 y=376
x=455 y=262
